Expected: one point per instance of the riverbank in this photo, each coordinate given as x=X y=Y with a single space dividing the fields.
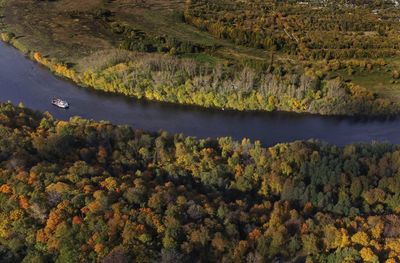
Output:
x=114 y=80
x=173 y=79
x=26 y=81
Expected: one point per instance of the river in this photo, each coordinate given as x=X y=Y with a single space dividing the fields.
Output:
x=22 y=80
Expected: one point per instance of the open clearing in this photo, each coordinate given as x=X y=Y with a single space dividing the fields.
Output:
x=68 y=31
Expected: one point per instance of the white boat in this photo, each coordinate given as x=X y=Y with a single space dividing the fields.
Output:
x=60 y=103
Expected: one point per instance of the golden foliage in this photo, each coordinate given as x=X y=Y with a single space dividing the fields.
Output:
x=393 y=245
x=53 y=220
x=58 y=187
x=368 y=255
x=5 y=189
x=360 y=238
x=41 y=236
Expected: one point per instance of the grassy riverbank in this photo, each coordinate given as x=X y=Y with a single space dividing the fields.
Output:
x=146 y=50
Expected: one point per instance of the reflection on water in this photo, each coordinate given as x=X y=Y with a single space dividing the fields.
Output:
x=23 y=81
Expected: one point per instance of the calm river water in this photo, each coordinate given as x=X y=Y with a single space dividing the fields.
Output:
x=24 y=81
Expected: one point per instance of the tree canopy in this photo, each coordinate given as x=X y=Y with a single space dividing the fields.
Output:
x=83 y=191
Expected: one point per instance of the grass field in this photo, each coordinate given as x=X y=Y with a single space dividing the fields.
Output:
x=66 y=29
x=379 y=80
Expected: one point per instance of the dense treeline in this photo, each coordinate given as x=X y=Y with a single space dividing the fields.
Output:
x=166 y=78
x=137 y=40
x=311 y=30
x=82 y=191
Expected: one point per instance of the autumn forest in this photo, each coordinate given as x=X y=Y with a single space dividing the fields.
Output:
x=81 y=191
x=78 y=190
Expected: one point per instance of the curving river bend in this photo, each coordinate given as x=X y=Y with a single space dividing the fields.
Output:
x=21 y=80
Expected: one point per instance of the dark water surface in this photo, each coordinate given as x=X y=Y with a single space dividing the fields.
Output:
x=24 y=81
